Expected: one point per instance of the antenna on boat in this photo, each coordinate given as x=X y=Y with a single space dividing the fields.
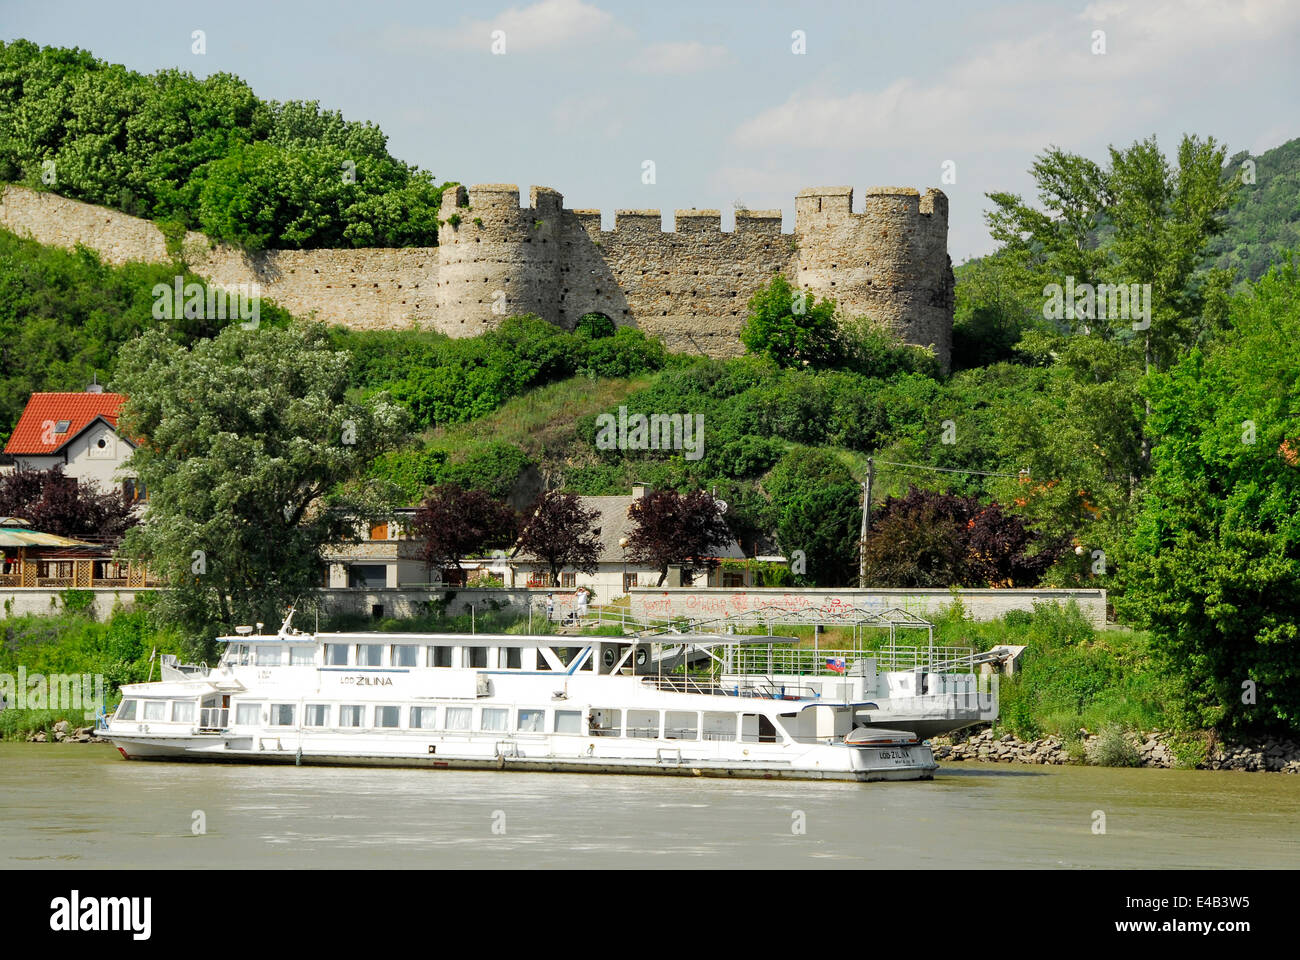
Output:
x=284 y=627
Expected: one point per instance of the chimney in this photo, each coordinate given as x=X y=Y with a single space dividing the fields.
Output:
x=639 y=490
x=95 y=387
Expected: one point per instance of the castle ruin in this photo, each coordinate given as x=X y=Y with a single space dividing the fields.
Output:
x=688 y=286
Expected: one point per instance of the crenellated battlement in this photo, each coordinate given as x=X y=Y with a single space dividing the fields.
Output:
x=688 y=284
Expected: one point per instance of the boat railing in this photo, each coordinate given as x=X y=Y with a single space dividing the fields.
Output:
x=773 y=659
x=214 y=718
x=758 y=688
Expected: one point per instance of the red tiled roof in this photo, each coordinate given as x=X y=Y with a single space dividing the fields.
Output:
x=34 y=435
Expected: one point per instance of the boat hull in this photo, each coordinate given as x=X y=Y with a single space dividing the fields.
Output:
x=833 y=762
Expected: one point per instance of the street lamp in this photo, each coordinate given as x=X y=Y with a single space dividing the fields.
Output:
x=622 y=543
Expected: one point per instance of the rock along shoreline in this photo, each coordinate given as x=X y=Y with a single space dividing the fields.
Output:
x=1271 y=754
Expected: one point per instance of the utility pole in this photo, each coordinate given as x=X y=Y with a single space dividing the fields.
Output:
x=866 y=523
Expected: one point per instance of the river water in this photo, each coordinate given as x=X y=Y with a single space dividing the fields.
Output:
x=65 y=805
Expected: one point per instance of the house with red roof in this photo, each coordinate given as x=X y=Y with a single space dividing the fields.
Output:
x=78 y=432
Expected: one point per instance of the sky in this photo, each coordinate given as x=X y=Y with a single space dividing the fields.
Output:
x=956 y=95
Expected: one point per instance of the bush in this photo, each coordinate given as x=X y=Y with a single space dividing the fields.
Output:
x=1113 y=748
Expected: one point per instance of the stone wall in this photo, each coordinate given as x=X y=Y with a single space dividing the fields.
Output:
x=712 y=603
x=689 y=285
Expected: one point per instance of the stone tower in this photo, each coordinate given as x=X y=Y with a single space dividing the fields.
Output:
x=889 y=262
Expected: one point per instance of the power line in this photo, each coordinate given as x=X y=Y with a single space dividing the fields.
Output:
x=921 y=466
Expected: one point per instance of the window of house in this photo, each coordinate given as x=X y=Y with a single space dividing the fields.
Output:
x=351 y=715
x=134 y=490
x=387 y=716
x=155 y=710
x=282 y=714
x=302 y=656
x=568 y=579
x=316 y=715
x=367 y=576
x=458 y=718
x=248 y=714
x=629 y=581
x=730 y=578
x=62 y=426
x=406 y=655
x=182 y=711
x=370 y=654
x=336 y=654
x=424 y=718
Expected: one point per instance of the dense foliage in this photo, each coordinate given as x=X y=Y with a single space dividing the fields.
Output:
x=245 y=441
x=673 y=528
x=560 y=532
x=53 y=503
x=931 y=539
x=206 y=154
x=453 y=523
x=1219 y=531
x=64 y=314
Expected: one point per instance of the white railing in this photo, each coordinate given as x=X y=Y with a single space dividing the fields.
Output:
x=786 y=660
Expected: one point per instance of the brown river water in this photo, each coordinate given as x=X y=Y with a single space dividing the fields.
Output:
x=83 y=806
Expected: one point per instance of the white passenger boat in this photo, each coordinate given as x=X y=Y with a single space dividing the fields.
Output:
x=598 y=704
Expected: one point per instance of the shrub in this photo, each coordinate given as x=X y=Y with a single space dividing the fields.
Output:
x=1112 y=748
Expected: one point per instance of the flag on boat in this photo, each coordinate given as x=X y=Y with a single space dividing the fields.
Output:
x=836 y=664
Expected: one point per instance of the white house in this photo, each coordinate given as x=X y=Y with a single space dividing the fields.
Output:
x=78 y=432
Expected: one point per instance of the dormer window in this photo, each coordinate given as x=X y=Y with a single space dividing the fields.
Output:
x=62 y=426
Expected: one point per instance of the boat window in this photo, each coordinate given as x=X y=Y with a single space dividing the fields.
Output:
x=336 y=654
x=351 y=715
x=424 y=718
x=249 y=714
x=302 y=656
x=681 y=725
x=126 y=710
x=440 y=656
x=282 y=714
x=605 y=722
x=530 y=721
x=514 y=658
x=316 y=715
x=155 y=709
x=643 y=723
x=370 y=654
x=477 y=656
x=719 y=726
x=458 y=718
x=266 y=656
x=495 y=718
x=568 y=721
x=405 y=655
x=182 y=711
x=387 y=716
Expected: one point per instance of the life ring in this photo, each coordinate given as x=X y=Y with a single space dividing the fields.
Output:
x=609 y=656
x=642 y=657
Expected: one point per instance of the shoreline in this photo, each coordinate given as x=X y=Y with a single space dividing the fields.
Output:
x=1267 y=754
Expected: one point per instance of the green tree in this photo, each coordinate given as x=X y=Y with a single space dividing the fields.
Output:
x=1215 y=567
x=247 y=441
x=818 y=510
x=792 y=327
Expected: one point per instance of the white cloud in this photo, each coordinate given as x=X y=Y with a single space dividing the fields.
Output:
x=680 y=58
x=1047 y=86
x=546 y=25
